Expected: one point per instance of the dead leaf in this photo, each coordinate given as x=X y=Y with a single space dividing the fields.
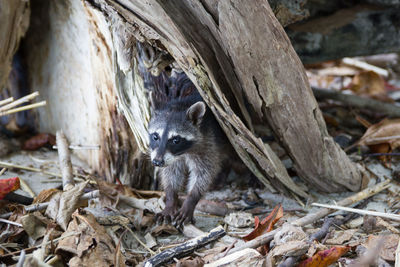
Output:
x=38 y=141
x=62 y=205
x=341 y=236
x=45 y=195
x=368 y=83
x=8 y=185
x=88 y=241
x=266 y=225
x=388 y=251
x=36 y=225
x=288 y=249
x=190 y=262
x=382 y=137
x=324 y=258
x=164 y=229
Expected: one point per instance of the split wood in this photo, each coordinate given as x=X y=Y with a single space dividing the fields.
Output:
x=64 y=157
x=358 y=101
x=391 y=216
x=186 y=248
x=310 y=218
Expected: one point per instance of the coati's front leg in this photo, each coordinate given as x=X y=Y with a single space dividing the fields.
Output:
x=202 y=174
x=172 y=179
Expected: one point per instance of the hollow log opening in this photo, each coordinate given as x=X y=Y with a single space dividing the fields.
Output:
x=81 y=56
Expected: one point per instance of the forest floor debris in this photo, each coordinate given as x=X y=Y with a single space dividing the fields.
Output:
x=78 y=219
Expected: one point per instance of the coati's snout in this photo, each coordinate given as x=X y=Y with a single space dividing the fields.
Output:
x=173 y=134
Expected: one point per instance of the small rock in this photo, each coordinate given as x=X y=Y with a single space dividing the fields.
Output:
x=239 y=219
x=289 y=233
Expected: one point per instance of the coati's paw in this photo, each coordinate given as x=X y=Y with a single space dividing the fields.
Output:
x=166 y=216
x=183 y=216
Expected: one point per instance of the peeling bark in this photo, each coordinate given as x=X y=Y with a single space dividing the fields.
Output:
x=14 y=21
x=246 y=57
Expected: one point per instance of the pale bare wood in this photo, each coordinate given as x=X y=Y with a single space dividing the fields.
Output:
x=64 y=158
x=19 y=101
x=390 y=216
x=6 y=101
x=14 y=22
x=27 y=107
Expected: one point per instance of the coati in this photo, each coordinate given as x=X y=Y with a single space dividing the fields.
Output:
x=186 y=142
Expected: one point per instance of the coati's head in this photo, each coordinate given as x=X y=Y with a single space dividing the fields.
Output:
x=173 y=132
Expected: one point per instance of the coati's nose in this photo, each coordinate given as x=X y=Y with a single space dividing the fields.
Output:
x=158 y=163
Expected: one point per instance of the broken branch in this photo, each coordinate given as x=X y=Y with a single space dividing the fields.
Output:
x=358 y=101
x=186 y=248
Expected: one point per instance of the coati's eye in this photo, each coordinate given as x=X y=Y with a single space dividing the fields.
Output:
x=176 y=140
x=155 y=136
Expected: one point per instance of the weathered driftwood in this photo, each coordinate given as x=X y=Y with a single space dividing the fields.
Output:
x=14 y=21
x=186 y=248
x=245 y=79
x=69 y=52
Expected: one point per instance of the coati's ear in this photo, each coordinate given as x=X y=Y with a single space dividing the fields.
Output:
x=196 y=112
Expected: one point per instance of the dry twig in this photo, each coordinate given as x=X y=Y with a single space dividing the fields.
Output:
x=19 y=101
x=31 y=106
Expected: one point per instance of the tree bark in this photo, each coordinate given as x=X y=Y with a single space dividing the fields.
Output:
x=243 y=63
x=14 y=21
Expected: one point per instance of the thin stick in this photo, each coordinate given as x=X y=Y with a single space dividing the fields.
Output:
x=20 y=101
x=64 y=158
x=10 y=222
x=10 y=165
x=140 y=241
x=365 y=66
x=3 y=171
x=390 y=216
x=6 y=101
x=310 y=218
x=16 y=166
x=31 y=106
x=21 y=259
